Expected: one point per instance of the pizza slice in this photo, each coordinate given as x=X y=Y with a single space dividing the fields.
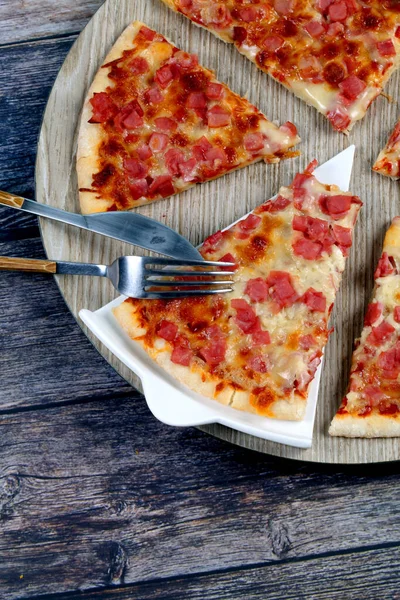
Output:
x=334 y=54
x=371 y=407
x=155 y=122
x=388 y=161
x=258 y=347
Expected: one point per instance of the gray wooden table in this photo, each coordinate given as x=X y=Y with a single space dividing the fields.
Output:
x=98 y=499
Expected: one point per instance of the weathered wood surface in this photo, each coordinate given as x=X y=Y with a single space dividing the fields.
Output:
x=26 y=19
x=87 y=484
x=203 y=209
x=46 y=365
x=372 y=574
x=95 y=494
x=45 y=357
x=27 y=72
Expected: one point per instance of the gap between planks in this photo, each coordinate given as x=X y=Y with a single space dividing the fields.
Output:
x=260 y=581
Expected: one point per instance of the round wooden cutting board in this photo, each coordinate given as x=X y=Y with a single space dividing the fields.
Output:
x=202 y=210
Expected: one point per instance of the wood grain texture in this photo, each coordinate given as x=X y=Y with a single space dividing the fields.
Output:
x=45 y=357
x=69 y=370
x=9 y=200
x=26 y=19
x=34 y=66
x=95 y=493
x=203 y=209
x=31 y=265
x=27 y=72
x=369 y=575
x=100 y=493
x=15 y=224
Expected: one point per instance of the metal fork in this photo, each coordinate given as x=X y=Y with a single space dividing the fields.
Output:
x=141 y=277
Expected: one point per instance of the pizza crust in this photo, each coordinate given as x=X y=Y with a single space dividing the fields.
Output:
x=126 y=315
x=365 y=427
x=201 y=382
x=391 y=244
x=91 y=134
x=293 y=410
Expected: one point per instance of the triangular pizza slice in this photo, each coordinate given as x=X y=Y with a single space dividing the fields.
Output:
x=257 y=348
x=155 y=123
x=334 y=54
x=371 y=407
x=388 y=161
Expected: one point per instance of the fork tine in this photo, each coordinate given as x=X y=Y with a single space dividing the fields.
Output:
x=181 y=294
x=149 y=260
x=180 y=284
x=176 y=272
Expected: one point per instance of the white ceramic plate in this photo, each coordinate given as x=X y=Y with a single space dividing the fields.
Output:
x=173 y=403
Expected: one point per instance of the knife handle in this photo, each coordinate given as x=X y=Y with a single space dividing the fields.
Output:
x=42 y=210
x=27 y=264
x=10 y=200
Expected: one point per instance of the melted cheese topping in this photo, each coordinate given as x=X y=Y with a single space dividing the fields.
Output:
x=263 y=247
x=375 y=373
x=153 y=80
x=334 y=55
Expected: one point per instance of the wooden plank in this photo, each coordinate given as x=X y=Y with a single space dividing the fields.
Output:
x=368 y=575
x=41 y=18
x=55 y=372
x=45 y=357
x=15 y=224
x=27 y=72
x=98 y=493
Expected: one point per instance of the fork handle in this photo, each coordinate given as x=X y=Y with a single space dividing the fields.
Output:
x=27 y=264
x=11 y=200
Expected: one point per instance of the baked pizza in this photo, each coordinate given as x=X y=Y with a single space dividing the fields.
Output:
x=334 y=54
x=155 y=122
x=371 y=407
x=257 y=348
x=388 y=161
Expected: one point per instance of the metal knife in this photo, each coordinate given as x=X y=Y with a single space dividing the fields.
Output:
x=125 y=226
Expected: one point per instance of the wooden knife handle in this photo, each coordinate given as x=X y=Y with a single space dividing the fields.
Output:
x=10 y=200
x=27 y=264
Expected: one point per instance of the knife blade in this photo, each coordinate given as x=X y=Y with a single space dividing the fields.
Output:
x=129 y=227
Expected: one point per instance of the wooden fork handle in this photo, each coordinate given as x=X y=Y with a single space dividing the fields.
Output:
x=27 y=264
x=10 y=200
